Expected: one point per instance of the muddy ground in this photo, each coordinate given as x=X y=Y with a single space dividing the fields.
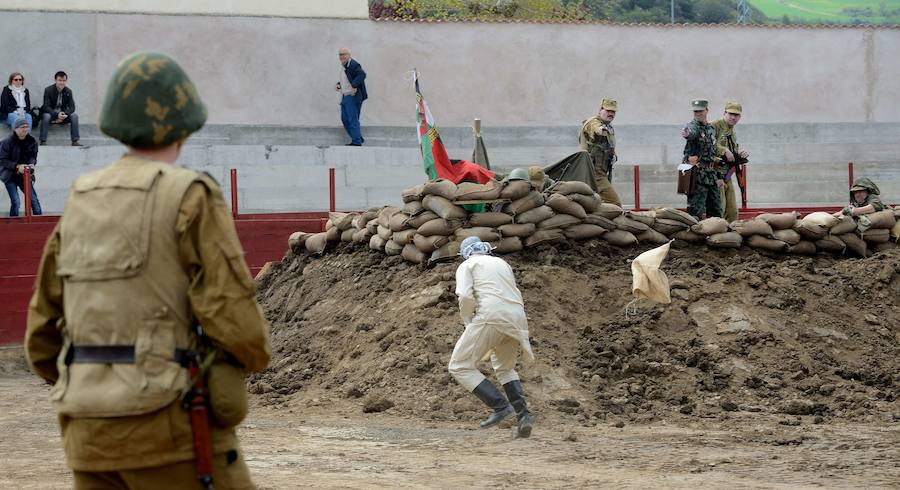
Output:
x=764 y=372
x=307 y=445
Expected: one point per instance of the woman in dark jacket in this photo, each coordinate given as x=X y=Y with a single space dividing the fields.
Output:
x=17 y=151
x=15 y=101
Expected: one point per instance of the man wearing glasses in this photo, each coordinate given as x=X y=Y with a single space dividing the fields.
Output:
x=352 y=87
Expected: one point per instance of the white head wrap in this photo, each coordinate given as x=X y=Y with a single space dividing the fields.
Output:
x=474 y=245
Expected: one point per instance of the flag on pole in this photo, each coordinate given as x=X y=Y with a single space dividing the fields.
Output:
x=434 y=156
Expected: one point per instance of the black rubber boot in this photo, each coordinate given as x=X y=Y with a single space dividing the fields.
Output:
x=491 y=396
x=516 y=396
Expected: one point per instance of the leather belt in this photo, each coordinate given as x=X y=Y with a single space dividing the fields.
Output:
x=113 y=354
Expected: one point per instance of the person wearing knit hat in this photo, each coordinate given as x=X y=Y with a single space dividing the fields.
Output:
x=493 y=312
x=146 y=272
x=18 y=151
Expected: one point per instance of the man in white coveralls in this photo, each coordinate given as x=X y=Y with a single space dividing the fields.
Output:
x=491 y=307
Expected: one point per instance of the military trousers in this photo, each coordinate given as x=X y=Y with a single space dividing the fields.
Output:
x=473 y=345
x=707 y=197
x=729 y=202
x=229 y=473
x=607 y=191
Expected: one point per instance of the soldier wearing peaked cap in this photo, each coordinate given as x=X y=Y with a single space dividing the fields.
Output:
x=598 y=138
x=731 y=155
x=144 y=253
x=700 y=151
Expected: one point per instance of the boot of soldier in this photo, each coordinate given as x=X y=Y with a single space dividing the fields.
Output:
x=516 y=396
x=491 y=396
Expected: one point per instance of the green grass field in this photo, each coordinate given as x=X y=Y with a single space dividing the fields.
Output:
x=841 y=11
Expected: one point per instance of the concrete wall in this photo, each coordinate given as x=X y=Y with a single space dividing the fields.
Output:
x=259 y=70
x=358 y=9
x=295 y=178
x=813 y=99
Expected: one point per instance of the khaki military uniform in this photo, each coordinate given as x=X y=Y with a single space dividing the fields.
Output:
x=144 y=251
x=725 y=139
x=599 y=140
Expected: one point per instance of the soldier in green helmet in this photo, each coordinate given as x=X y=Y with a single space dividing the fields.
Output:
x=598 y=138
x=144 y=253
x=864 y=198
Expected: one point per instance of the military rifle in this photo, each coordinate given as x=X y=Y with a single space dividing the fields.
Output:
x=196 y=401
x=739 y=163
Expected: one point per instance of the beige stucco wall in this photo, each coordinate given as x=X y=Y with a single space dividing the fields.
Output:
x=352 y=9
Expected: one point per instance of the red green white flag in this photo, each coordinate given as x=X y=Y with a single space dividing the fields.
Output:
x=434 y=156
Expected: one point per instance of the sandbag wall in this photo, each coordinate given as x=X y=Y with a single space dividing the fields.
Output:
x=432 y=223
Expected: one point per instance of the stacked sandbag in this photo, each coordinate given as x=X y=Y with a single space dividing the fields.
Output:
x=717 y=233
x=432 y=222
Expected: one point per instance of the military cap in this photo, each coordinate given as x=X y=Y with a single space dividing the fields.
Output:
x=733 y=107
x=609 y=104
x=699 y=104
x=858 y=187
x=150 y=101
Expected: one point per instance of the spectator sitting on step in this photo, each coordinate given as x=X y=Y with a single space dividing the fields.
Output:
x=17 y=151
x=59 y=108
x=15 y=101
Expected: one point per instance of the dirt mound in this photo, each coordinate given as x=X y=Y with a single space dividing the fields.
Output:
x=745 y=336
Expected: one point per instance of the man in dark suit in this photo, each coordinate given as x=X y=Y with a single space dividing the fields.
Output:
x=352 y=87
x=59 y=108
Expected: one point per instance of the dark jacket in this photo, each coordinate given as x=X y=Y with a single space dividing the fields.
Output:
x=8 y=102
x=13 y=153
x=50 y=95
x=357 y=76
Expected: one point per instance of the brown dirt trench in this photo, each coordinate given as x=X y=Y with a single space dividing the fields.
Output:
x=788 y=394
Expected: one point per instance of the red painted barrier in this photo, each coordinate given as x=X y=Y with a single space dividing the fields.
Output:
x=331 y=190
x=234 y=196
x=27 y=190
x=637 y=187
x=849 y=174
x=263 y=236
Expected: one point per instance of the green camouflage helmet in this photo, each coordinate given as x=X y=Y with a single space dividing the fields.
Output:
x=518 y=174
x=150 y=101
